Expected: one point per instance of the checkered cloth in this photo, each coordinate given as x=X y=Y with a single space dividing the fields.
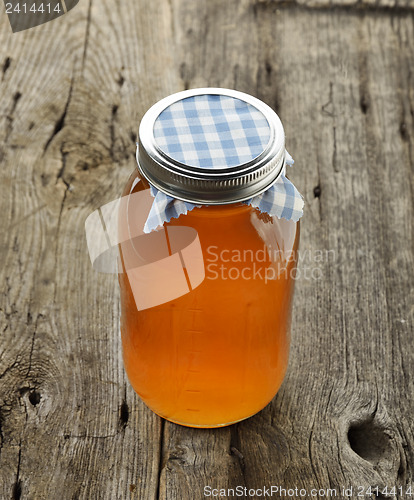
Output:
x=282 y=199
x=212 y=131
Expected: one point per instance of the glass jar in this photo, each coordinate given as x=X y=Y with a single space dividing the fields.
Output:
x=206 y=302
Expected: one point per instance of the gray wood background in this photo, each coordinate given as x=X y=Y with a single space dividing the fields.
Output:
x=72 y=92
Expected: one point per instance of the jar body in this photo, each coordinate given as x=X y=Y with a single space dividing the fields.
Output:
x=209 y=347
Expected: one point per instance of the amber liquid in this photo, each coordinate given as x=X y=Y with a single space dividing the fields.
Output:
x=219 y=353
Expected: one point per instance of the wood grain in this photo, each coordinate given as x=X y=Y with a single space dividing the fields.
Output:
x=72 y=93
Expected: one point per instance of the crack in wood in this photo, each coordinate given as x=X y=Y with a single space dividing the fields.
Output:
x=404 y=131
x=184 y=75
x=124 y=412
x=9 y=368
x=334 y=153
x=268 y=72
x=17 y=487
x=10 y=117
x=31 y=353
x=161 y=462
x=1 y=431
x=329 y=104
x=121 y=80
x=358 y=7
x=85 y=436
x=33 y=340
x=6 y=66
x=364 y=97
x=63 y=155
x=87 y=32
x=114 y=112
x=133 y=137
x=61 y=121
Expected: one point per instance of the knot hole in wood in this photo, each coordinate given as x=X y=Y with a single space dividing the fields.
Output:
x=370 y=440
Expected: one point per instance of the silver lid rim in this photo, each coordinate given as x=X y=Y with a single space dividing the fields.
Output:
x=210 y=186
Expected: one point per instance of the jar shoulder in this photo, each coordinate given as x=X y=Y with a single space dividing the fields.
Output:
x=230 y=222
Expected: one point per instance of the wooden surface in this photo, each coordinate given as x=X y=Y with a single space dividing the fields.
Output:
x=72 y=92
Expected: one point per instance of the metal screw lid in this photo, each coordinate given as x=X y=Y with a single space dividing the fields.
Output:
x=211 y=146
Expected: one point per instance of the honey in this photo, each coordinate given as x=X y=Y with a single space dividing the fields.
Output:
x=217 y=354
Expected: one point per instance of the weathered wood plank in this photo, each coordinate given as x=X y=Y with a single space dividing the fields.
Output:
x=387 y=6
x=346 y=109
x=70 y=426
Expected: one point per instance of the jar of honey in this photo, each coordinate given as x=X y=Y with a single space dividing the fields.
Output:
x=208 y=235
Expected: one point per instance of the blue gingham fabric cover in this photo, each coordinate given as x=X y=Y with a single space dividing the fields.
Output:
x=212 y=131
x=218 y=131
